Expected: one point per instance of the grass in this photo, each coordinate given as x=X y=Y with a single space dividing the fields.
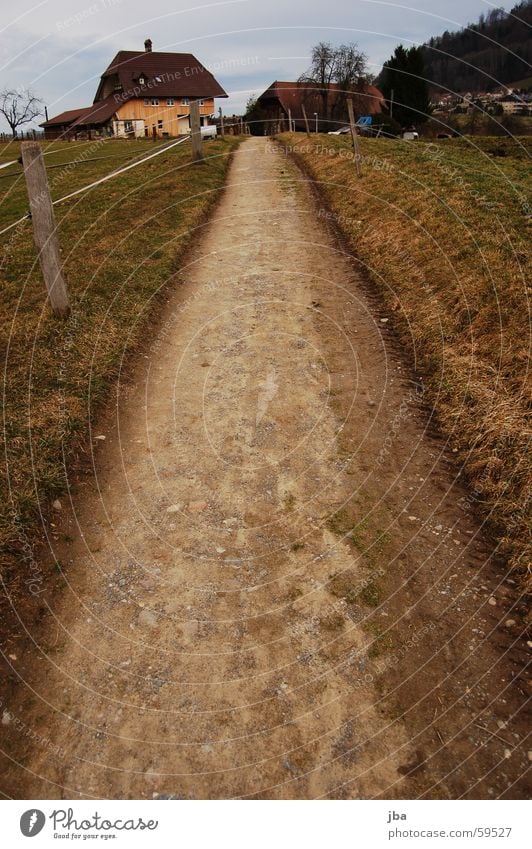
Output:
x=443 y=232
x=121 y=244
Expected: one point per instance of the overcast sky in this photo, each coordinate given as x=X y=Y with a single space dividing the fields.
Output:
x=59 y=48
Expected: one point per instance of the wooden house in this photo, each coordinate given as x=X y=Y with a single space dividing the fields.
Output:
x=143 y=93
x=325 y=106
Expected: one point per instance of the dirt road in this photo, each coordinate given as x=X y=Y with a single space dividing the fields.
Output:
x=275 y=588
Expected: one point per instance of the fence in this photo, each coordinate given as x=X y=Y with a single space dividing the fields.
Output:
x=42 y=214
x=29 y=135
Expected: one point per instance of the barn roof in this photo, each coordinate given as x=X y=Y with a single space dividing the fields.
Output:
x=292 y=95
x=98 y=113
x=166 y=75
x=67 y=117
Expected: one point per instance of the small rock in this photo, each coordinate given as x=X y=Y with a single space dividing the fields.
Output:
x=530 y=755
x=57 y=504
x=492 y=601
x=174 y=508
x=6 y=718
x=197 y=506
x=509 y=623
x=507 y=753
x=384 y=320
x=101 y=437
x=12 y=657
x=147 y=617
x=219 y=549
x=412 y=518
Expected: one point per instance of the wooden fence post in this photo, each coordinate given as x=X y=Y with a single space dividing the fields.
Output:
x=221 y=121
x=306 y=119
x=44 y=230
x=354 y=136
x=195 y=131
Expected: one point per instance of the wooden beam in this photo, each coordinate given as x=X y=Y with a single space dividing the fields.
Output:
x=354 y=136
x=44 y=227
x=306 y=119
x=195 y=131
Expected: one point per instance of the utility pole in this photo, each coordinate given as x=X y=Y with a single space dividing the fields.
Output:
x=221 y=121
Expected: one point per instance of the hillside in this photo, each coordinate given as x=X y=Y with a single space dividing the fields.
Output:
x=496 y=50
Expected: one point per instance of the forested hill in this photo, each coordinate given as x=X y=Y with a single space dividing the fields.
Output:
x=496 y=50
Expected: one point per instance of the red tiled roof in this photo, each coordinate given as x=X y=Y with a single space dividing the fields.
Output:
x=64 y=117
x=291 y=95
x=98 y=113
x=167 y=75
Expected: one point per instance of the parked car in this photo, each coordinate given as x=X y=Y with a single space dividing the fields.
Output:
x=339 y=132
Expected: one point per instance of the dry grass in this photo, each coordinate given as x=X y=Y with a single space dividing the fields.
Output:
x=121 y=244
x=443 y=232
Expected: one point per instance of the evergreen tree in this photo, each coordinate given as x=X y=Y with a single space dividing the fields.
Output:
x=403 y=79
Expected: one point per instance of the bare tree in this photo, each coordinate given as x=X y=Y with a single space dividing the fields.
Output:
x=350 y=76
x=320 y=74
x=19 y=106
x=345 y=65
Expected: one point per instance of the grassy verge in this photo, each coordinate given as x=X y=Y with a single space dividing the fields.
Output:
x=121 y=243
x=443 y=231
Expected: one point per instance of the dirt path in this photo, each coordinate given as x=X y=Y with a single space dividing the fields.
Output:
x=273 y=589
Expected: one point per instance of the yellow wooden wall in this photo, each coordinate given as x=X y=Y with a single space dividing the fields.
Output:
x=136 y=109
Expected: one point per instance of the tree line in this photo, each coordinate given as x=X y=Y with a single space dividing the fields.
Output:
x=496 y=50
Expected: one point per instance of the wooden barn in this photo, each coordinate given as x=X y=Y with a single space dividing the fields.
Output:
x=325 y=106
x=142 y=93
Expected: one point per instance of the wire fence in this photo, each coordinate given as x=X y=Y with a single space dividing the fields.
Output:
x=92 y=185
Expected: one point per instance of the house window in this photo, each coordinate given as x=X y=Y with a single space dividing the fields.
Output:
x=154 y=101
x=170 y=101
x=146 y=101
x=185 y=101
x=201 y=102
x=142 y=80
x=160 y=125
